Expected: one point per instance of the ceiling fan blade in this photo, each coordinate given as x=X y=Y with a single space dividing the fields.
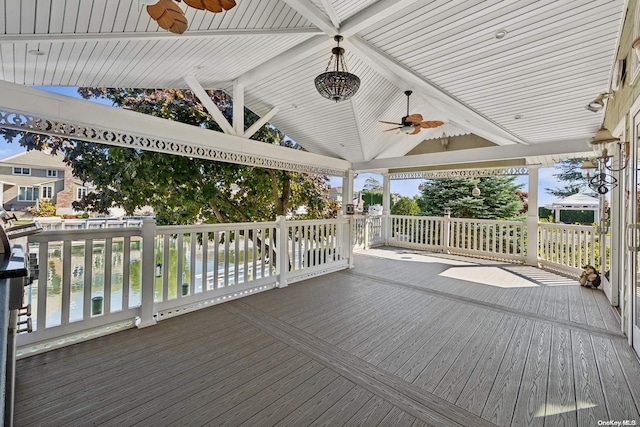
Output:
x=431 y=124
x=227 y=4
x=390 y=123
x=169 y=16
x=389 y=130
x=414 y=118
x=210 y=5
x=416 y=130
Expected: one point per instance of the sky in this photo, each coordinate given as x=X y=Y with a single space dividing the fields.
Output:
x=408 y=187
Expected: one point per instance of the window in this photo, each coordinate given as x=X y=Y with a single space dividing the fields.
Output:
x=21 y=171
x=27 y=194
x=47 y=192
x=81 y=192
x=52 y=173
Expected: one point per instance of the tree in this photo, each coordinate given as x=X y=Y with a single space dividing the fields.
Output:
x=184 y=190
x=497 y=200
x=405 y=206
x=571 y=175
x=372 y=185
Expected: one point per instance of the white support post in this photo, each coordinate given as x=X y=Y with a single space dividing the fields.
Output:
x=238 y=108
x=386 y=208
x=347 y=190
x=147 y=307
x=446 y=232
x=532 y=217
x=617 y=233
x=282 y=238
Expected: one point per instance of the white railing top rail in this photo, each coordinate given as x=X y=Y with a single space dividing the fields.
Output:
x=416 y=217
x=84 y=234
x=304 y=222
x=571 y=227
x=171 y=229
x=487 y=221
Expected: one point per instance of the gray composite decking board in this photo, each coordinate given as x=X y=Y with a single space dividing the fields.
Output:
x=373 y=335
x=417 y=402
x=561 y=308
x=108 y=374
x=133 y=400
x=184 y=401
x=629 y=360
x=371 y=413
x=455 y=378
x=346 y=408
x=249 y=407
x=491 y=306
x=397 y=418
x=417 y=363
x=620 y=404
x=576 y=307
x=288 y=403
x=609 y=313
x=532 y=394
x=314 y=407
x=397 y=358
x=591 y=310
x=343 y=328
x=502 y=399
x=561 y=398
x=589 y=397
x=547 y=302
x=208 y=409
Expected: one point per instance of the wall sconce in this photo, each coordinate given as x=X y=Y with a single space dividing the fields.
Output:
x=158 y=270
x=598 y=103
x=604 y=146
x=444 y=141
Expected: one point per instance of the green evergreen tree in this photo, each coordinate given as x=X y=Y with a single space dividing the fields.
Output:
x=405 y=206
x=498 y=198
x=571 y=176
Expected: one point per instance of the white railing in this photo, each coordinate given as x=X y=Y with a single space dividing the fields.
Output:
x=316 y=247
x=488 y=238
x=367 y=231
x=87 y=280
x=49 y=224
x=96 y=281
x=420 y=232
x=567 y=247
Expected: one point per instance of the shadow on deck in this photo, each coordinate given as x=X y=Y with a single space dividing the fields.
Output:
x=405 y=338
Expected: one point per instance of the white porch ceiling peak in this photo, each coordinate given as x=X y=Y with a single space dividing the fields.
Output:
x=372 y=15
x=311 y=12
x=211 y=106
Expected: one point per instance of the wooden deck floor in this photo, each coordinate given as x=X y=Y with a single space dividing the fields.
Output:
x=405 y=338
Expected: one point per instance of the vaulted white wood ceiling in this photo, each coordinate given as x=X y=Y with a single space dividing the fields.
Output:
x=555 y=58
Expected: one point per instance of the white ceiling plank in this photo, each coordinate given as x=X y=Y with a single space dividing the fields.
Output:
x=313 y=14
x=328 y=8
x=475 y=122
x=504 y=152
x=372 y=15
x=208 y=103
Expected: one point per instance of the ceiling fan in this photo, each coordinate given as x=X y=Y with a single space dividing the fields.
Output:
x=411 y=124
x=170 y=16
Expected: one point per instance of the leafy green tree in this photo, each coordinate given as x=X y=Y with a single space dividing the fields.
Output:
x=571 y=176
x=405 y=206
x=497 y=200
x=184 y=190
x=371 y=198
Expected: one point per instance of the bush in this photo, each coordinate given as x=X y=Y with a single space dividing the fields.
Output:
x=45 y=208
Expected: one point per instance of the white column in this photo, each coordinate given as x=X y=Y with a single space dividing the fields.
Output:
x=347 y=190
x=238 y=108
x=556 y=213
x=282 y=247
x=532 y=217
x=386 y=208
x=147 y=307
x=617 y=233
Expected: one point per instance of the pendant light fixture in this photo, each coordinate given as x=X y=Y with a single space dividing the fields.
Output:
x=337 y=83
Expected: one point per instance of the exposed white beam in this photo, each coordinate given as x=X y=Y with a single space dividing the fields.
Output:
x=286 y=59
x=372 y=15
x=314 y=15
x=104 y=119
x=449 y=105
x=79 y=37
x=238 y=108
x=261 y=122
x=328 y=7
x=208 y=103
x=505 y=152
